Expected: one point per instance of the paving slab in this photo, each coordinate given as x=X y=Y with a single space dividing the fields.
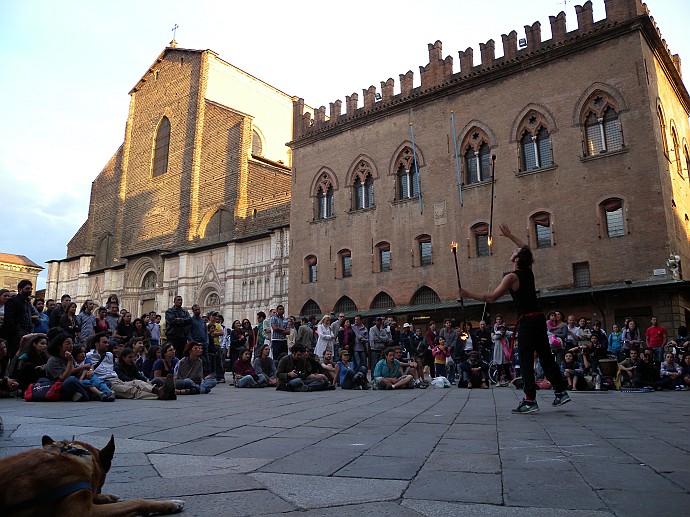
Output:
x=323 y=492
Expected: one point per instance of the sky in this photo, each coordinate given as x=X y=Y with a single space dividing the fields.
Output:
x=68 y=65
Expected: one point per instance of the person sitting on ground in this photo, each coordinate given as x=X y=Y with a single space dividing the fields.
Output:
x=409 y=367
x=191 y=367
x=153 y=356
x=671 y=369
x=328 y=366
x=475 y=372
x=573 y=372
x=264 y=365
x=8 y=385
x=648 y=373
x=31 y=360
x=349 y=378
x=127 y=369
x=295 y=372
x=685 y=369
x=246 y=376
x=104 y=366
x=165 y=366
x=89 y=379
x=628 y=366
x=61 y=366
x=388 y=375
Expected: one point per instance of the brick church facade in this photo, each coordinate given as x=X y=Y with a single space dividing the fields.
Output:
x=196 y=199
x=590 y=135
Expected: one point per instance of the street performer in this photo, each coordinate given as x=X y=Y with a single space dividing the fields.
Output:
x=530 y=326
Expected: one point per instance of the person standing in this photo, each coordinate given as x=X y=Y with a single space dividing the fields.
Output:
x=656 y=337
x=379 y=338
x=86 y=321
x=155 y=329
x=177 y=323
x=17 y=320
x=40 y=325
x=279 y=333
x=361 y=343
x=530 y=327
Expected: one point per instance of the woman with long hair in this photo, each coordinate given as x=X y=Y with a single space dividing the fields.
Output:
x=68 y=322
x=31 y=359
x=530 y=327
x=238 y=339
x=264 y=365
x=141 y=331
x=124 y=330
x=326 y=338
x=249 y=332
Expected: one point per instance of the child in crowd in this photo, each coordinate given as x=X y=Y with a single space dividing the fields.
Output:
x=98 y=389
x=440 y=352
x=573 y=372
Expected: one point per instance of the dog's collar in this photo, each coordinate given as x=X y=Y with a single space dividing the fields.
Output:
x=68 y=448
x=48 y=497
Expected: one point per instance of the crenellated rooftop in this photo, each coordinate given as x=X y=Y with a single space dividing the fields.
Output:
x=438 y=73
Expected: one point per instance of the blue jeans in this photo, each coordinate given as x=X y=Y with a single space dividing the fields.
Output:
x=374 y=358
x=360 y=359
x=70 y=386
x=248 y=381
x=297 y=383
x=354 y=378
x=97 y=383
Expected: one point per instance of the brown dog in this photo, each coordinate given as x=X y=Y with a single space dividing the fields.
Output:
x=65 y=479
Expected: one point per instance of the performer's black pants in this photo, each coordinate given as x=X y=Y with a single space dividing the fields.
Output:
x=532 y=338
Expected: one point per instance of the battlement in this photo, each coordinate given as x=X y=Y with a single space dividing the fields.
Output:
x=438 y=72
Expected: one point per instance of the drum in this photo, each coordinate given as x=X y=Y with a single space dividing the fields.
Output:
x=608 y=367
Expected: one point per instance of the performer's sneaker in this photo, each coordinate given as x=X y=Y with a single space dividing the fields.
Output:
x=527 y=406
x=561 y=398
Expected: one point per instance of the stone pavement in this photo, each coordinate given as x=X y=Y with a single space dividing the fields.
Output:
x=434 y=452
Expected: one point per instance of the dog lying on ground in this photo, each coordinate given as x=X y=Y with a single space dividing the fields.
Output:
x=65 y=479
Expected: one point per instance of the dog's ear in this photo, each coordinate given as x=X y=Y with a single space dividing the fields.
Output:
x=47 y=440
x=105 y=455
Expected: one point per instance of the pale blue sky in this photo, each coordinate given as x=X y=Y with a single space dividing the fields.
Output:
x=67 y=68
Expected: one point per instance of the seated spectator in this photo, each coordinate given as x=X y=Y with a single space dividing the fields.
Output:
x=502 y=354
x=60 y=367
x=89 y=379
x=409 y=367
x=685 y=369
x=440 y=354
x=104 y=367
x=671 y=370
x=264 y=365
x=191 y=367
x=573 y=372
x=597 y=351
x=8 y=386
x=127 y=369
x=328 y=366
x=136 y=344
x=388 y=375
x=627 y=368
x=165 y=366
x=475 y=372
x=648 y=373
x=295 y=372
x=31 y=360
x=246 y=376
x=153 y=356
x=348 y=377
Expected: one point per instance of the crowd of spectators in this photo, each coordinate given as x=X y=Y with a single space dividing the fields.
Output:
x=102 y=353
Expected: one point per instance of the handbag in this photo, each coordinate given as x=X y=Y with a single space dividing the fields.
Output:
x=43 y=390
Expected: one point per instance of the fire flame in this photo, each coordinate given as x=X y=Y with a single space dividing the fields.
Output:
x=454 y=246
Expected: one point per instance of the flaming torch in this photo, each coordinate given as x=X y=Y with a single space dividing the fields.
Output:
x=454 y=249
